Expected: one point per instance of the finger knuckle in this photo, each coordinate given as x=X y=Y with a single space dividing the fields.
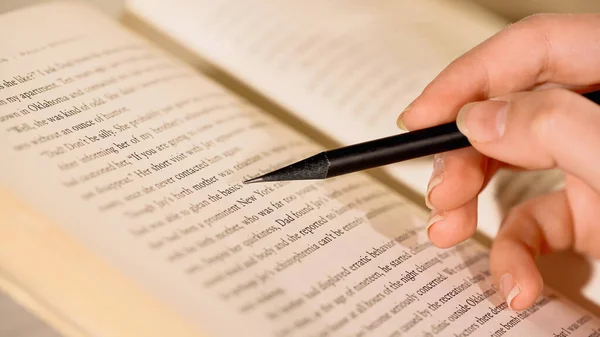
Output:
x=538 y=19
x=518 y=211
x=519 y=228
x=553 y=107
x=530 y=26
x=534 y=31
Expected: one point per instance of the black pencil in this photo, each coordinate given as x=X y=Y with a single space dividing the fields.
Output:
x=376 y=153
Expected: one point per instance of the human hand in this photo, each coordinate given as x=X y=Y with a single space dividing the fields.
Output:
x=514 y=97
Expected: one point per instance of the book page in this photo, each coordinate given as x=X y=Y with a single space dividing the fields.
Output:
x=348 y=68
x=355 y=63
x=141 y=160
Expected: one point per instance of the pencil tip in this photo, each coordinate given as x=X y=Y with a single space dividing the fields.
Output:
x=254 y=180
x=315 y=167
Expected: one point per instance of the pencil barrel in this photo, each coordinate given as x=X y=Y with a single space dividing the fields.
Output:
x=393 y=149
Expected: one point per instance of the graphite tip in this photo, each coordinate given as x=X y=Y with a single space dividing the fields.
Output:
x=315 y=167
x=254 y=180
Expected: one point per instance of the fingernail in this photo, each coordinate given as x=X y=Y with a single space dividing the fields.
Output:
x=400 y=124
x=436 y=177
x=509 y=289
x=435 y=216
x=483 y=121
x=399 y=121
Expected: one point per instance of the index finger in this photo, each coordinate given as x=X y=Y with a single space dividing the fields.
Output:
x=549 y=48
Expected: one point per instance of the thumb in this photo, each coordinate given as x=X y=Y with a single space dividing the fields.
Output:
x=537 y=130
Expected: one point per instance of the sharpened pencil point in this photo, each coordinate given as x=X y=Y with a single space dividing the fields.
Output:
x=315 y=167
x=254 y=180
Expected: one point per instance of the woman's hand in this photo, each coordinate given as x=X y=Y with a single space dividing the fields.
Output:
x=513 y=97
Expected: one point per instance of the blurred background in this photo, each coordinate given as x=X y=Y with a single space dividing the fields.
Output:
x=511 y=9
x=514 y=10
x=17 y=322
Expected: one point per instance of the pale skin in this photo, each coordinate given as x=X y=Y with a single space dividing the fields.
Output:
x=515 y=96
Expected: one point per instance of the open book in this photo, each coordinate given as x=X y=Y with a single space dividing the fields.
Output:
x=122 y=211
x=353 y=65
